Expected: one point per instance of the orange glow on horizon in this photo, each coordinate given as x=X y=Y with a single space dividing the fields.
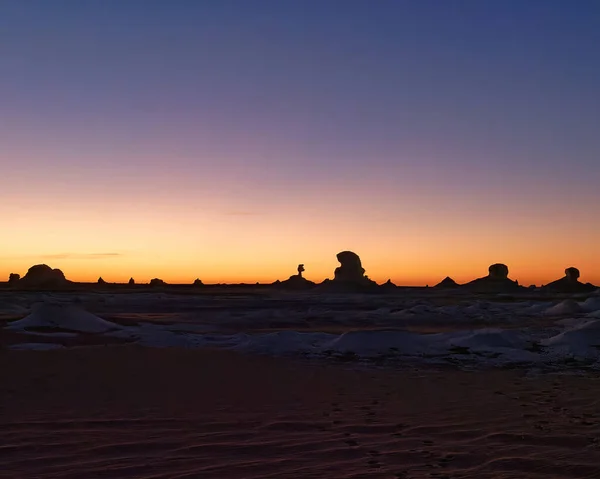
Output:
x=260 y=236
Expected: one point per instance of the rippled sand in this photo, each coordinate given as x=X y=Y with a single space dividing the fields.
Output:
x=125 y=411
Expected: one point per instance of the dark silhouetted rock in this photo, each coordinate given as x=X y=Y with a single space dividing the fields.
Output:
x=572 y=274
x=296 y=281
x=43 y=276
x=349 y=276
x=569 y=283
x=131 y=281
x=198 y=282
x=351 y=269
x=389 y=286
x=101 y=281
x=496 y=281
x=157 y=282
x=498 y=271
x=447 y=283
x=13 y=279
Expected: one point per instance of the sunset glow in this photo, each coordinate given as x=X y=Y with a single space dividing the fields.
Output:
x=229 y=145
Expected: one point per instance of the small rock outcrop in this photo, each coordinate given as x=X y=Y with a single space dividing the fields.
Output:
x=131 y=282
x=197 y=282
x=296 y=281
x=157 y=282
x=13 y=279
x=101 y=281
x=569 y=283
x=497 y=281
x=447 y=283
x=43 y=276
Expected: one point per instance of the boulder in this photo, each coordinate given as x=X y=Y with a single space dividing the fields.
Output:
x=157 y=282
x=13 y=279
x=198 y=282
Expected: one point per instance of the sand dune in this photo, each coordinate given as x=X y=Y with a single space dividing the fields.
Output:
x=126 y=411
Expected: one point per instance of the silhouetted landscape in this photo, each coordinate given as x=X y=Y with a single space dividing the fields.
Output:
x=311 y=239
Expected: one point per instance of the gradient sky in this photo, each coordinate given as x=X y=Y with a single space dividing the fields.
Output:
x=232 y=140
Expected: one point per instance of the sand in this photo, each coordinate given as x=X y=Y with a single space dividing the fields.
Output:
x=132 y=412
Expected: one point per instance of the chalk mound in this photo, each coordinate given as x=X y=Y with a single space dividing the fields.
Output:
x=564 y=308
x=368 y=343
x=63 y=316
x=582 y=340
x=492 y=339
x=43 y=276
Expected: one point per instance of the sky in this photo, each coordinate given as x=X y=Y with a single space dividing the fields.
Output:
x=232 y=140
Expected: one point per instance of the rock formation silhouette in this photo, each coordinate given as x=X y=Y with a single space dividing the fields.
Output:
x=101 y=281
x=496 y=281
x=13 y=279
x=447 y=283
x=131 y=281
x=198 y=282
x=296 y=281
x=43 y=276
x=349 y=276
x=569 y=283
x=157 y=282
x=350 y=269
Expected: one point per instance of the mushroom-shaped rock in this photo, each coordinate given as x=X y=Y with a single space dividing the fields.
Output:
x=157 y=282
x=447 y=283
x=43 y=276
x=198 y=282
x=572 y=274
x=496 y=281
x=569 y=283
x=131 y=281
x=296 y=281
x=498 y=271
x=13 y=279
